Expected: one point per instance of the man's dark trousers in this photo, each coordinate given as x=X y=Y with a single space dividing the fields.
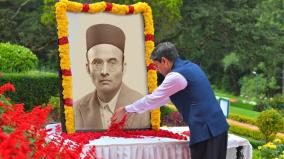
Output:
x=214 y=148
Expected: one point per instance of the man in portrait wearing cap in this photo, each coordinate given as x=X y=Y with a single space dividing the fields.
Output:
x=105 y=65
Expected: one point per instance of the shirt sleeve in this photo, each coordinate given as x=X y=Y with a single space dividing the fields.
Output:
x=172 y=83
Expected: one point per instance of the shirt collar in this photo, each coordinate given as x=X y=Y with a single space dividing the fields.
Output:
x=112 y=103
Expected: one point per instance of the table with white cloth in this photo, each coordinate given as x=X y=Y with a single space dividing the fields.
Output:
x=161 y=148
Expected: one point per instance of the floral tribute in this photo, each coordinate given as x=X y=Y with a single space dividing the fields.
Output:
x=62 y=26
x=23 y=136
x=116 y=130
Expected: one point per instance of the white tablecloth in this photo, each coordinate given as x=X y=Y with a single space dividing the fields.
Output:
x=155 y=147
x=158 y=148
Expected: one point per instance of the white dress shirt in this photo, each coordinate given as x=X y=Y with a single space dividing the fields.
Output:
x=172 y=83
x=107 y=110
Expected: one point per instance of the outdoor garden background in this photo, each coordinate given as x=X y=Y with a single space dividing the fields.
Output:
x=238 y=43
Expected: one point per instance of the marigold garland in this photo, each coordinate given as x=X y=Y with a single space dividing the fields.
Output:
x=62 y=26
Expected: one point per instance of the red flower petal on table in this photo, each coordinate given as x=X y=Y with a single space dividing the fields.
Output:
x=186 y=133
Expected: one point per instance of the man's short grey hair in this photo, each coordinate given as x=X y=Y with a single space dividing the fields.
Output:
x=166 y=50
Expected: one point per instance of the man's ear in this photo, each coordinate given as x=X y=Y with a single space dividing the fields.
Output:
x=163 y=60
x=88 y=68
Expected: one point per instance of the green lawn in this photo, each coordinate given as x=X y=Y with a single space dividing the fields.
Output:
x=240 y=101
x=221 y=93
x=242 y=105
x=245 y=112
x=238 y=107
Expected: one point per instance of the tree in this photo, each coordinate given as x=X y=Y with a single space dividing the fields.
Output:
x=166 y=14
x=231 y=39
x=269 y=123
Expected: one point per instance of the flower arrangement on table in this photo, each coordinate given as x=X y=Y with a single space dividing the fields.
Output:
x=62 y=25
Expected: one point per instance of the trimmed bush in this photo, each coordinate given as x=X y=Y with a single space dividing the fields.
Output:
x=255 y=134
x=242 y=118
x=16 y=58
x=269 y=123
x=33 y=88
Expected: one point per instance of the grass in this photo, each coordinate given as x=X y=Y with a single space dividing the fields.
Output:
x=221 y=93
x=240 y=102
x=255 y=154
x=238 y=107
x=242 y=105
x=244 y=112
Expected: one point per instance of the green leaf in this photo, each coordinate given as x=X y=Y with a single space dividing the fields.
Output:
x=7 y=129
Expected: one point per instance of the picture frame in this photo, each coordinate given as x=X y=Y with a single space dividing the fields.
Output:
x=65 y=8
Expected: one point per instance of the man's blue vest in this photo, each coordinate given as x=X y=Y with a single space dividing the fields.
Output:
x=197 y=103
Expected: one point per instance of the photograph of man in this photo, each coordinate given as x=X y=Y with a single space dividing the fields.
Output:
x=106 y=66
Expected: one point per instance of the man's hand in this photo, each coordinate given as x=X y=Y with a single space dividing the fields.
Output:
x=118 y=115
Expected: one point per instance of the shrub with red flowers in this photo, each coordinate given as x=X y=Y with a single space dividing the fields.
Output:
x=22 y=134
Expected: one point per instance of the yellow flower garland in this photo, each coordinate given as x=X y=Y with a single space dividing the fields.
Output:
x=62 y=26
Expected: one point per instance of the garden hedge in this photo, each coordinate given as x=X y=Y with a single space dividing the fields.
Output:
x=254 y=134
x=33 y=88
x=242 y=118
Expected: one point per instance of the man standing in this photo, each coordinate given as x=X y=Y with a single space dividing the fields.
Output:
x=105 y=65
x=187 y=86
